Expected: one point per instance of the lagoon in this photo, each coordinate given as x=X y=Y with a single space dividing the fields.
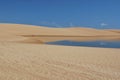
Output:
x=103 y=44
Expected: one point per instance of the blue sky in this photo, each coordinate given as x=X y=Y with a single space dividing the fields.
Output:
x=62 y=13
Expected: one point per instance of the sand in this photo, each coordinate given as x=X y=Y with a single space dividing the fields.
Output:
x=24 y=56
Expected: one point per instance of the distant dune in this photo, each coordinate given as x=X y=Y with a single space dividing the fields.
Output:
x=28 y=33
x=21 y=60
x=116 y=31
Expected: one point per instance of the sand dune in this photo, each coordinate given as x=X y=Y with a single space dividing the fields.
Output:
x=20 y=60
x=18 y=32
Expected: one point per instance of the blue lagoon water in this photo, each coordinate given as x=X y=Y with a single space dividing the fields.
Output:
x=104 y=44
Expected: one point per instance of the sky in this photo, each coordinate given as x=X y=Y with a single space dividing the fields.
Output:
x=62 y=13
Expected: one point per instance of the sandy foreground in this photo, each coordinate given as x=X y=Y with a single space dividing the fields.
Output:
x=24 y=56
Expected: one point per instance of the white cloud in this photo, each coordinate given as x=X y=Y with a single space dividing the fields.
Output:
x=103 y=24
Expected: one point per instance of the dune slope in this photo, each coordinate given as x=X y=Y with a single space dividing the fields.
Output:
x=46 y=62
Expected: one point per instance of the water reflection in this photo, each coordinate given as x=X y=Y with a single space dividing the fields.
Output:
x=104 y=44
